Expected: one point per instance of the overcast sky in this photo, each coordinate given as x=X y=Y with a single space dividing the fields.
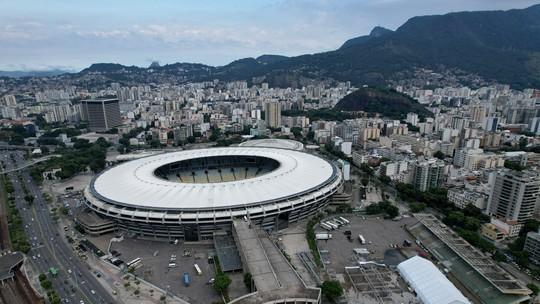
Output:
x=73 y=34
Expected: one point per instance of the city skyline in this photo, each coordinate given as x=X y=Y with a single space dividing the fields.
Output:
x=62 y=35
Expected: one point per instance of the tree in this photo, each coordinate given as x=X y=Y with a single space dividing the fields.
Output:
x=534 y=288
x=530 y=225
x=366 y=168
x=499 y=256
x=247 y=280
x=513 y=165
x=392 y=211
x=332 y=290
x=417 y=207
x=364 y=181
x=439 y=155
x=155 y=143
x=385 y=179
x=222 y=282
x=42 y=277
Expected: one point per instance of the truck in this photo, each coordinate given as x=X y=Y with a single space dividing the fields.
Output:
x=186 y=279
x=323 y=236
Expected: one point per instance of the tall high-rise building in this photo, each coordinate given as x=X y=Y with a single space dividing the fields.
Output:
x=101 y=114
x=491 y=124
x=273 y=114
x=428 y=174
x=514 y=195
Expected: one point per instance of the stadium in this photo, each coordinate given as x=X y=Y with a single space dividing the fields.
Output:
x=191 y=194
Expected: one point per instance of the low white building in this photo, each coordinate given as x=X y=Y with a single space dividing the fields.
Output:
x=431 y=286
x=462 y=197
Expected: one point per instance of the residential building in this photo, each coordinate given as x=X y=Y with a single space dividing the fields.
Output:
x=514 y=195
x=532 y=247
x=428 y=174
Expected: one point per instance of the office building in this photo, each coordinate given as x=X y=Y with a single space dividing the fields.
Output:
x=514 y=195
x=101 y=114
x=273 y=114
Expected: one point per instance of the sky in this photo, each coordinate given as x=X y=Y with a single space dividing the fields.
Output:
x=71 y=34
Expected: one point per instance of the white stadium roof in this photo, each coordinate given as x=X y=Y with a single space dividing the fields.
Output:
x=274 y=143
x=431 y=286
x=135 y=184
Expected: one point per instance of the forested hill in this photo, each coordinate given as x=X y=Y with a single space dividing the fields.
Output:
x=388 y=103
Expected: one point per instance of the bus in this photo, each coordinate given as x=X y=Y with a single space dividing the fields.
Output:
x=197 y=269
x=346 y=221
x=326 y=227
x=134 y=262
x=331 y=224
x=362 y=239
x=339 y=222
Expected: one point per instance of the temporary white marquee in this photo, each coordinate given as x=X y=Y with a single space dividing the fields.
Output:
x=431 y=286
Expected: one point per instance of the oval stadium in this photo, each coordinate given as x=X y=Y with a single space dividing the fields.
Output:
x=191 y=194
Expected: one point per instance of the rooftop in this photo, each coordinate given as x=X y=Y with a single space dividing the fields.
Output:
x=8 y=262
x=481 y=263
x=135 y=183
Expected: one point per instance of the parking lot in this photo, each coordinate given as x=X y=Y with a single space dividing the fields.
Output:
x=154 y=267
x=381 y=236
x=375 y=282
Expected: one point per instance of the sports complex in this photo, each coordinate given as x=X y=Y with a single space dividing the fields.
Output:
x=191 y=194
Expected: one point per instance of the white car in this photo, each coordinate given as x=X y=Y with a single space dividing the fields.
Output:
x=92 y=291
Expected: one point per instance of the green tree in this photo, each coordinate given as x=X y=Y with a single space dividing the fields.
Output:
x=534 y=288
x=530 y=225
x=392 y=211
x=332 y=290
x=222 y=282
x=417 y=207
x=247 y=280
x=439 y=155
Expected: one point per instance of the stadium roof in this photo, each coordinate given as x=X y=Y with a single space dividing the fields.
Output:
x=274 y=143
x=431 y=286
x=135 y=184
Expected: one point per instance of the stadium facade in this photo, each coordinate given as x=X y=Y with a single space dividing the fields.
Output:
x=191 y=194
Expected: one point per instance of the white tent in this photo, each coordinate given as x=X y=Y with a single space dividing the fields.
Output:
x=431 y=286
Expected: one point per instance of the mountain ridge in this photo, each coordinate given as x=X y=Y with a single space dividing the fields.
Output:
x=501 y=46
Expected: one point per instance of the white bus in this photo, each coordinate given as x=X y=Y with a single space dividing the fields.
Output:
x=197 y=269
x=134 y=262
x=326 y=227
x=333 y=225
x=346 y=221
x=339 y=222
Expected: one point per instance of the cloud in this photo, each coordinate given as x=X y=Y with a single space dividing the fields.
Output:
x=212 y=33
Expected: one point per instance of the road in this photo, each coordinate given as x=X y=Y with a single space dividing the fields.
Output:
x=74 y=283
x=29 y=163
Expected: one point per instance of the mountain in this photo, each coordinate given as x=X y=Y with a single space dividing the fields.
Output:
x=388 y=103
x=502 y=46
x=46 y=73
x=497 y=45
x=269 y=59
x=376 y=32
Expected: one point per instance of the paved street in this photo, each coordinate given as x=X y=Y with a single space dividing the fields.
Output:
x=75 y=283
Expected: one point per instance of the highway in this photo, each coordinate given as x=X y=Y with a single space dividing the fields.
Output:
x=74 y=283
x=29 y=163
